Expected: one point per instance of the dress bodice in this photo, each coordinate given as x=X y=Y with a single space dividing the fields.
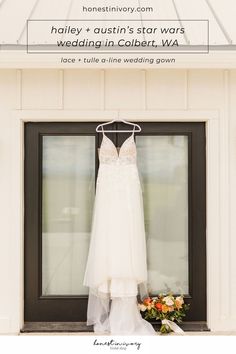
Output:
x=109 y=155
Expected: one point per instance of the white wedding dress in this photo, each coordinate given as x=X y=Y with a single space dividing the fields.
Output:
x=116 y=270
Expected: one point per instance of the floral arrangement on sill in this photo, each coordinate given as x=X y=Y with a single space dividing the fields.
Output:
x=166 y=308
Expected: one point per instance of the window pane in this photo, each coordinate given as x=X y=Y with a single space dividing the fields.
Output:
x=68 y=196
x=163 y=166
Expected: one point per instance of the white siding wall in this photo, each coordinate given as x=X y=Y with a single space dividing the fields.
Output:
x=134 y=90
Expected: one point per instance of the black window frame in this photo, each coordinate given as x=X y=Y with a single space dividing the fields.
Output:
x=60 y=308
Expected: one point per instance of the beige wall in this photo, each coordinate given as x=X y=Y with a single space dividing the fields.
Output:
x=129 y=90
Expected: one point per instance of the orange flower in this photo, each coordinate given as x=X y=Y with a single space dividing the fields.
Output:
x=171 y=308
x=165 y=308
x=158 y=306
x=178 y=304
x=147 y=301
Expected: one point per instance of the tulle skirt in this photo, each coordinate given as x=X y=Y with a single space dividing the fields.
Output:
x=116 y=270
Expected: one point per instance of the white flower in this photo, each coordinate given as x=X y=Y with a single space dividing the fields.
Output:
x=142 y=307
x=168 y=301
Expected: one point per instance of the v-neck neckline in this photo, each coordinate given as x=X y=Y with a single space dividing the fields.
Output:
x=118 y=153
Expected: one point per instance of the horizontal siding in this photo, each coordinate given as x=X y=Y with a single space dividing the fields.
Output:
x=41 y=89
x=206 y=89
x=83 y=89
x=166 y=89
x=123 y=89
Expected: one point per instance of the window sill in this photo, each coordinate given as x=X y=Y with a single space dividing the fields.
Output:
x=69 y=327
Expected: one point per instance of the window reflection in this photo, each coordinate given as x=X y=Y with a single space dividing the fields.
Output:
x=163 y=166
x=68 y=196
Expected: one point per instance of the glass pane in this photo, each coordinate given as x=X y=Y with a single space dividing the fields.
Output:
x=68 y=197
x=163 y=166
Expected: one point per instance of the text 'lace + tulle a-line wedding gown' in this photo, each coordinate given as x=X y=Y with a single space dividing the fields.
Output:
x=116 y=269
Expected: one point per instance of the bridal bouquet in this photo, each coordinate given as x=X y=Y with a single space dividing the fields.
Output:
x=166 y=308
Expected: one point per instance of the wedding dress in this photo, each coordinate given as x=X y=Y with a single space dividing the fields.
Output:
x=116 y=269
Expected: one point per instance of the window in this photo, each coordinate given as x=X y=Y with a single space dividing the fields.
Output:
x=61 y=164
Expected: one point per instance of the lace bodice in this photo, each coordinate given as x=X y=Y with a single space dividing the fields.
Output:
x=108 y=153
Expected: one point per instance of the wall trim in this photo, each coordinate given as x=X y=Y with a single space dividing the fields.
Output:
x=53 y=115
x=5 y=326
